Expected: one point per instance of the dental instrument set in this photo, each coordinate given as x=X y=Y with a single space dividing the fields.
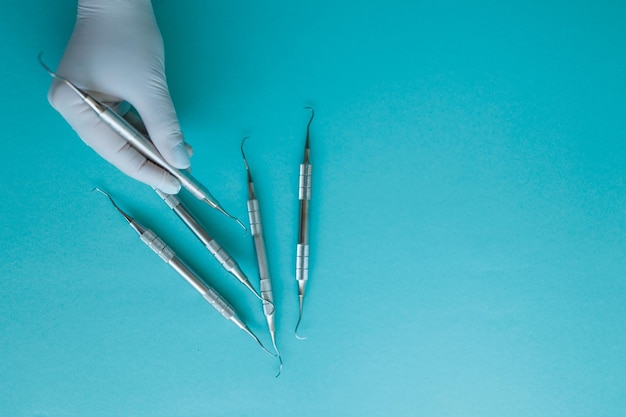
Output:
x=131 y=130
x=211 y=244
x=168 y=256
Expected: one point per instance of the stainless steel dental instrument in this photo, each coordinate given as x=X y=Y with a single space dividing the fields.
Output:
x=302 y=248
x=211 y=244
x=265 y=283
x=142 y=144
x=166 y=254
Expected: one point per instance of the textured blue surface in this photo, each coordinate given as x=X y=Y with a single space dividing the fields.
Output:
x=469 y=216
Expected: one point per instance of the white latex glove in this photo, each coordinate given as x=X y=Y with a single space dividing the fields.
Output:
x=116 y=54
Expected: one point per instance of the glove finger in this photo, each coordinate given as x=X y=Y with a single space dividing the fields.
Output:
x=106 y=142
x=156 y=109
x=132 y=118
x=189 y=149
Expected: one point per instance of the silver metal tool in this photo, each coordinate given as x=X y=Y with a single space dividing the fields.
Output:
x=302 y=248
x=142 y=144
x=166 y=254
x=211 y=244
x=265 y=283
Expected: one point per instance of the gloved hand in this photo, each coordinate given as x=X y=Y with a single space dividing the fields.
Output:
x=116 y=54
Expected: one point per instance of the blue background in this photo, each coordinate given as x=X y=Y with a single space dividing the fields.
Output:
x=468 y=216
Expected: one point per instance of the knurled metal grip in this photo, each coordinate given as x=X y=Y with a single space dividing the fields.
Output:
x=171 y=200
x=255 y=217
x=266 y=289
x=218 y=303
x=302 y=262
x=304 y=190
x=157 y=245
x=268 y=298
x=220 y=254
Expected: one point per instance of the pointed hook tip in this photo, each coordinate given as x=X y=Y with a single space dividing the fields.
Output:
x=256 y=293
x=280 y=367
x=101 y=192
x=312 y=114
x=296 y=331
x=241 y=146
x=47 y=68
x=280 y=359
x=245 y=160
x=308 y=129
x=259 y=342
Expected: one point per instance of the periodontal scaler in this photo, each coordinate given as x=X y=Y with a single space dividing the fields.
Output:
x=159 y=247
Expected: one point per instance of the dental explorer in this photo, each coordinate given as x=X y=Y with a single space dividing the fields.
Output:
x=254 y=214
x=211 y=244
x=141 y=143
x=302 y=248
x=166 y=254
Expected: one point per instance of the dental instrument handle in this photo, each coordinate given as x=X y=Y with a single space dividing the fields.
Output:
x=220 y=254
x=261 y=255
x=304 y=195
x=302 y=248
x=256 y=229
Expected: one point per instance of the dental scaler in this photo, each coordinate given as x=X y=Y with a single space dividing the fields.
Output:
x=166 y=254
x=256 y=229
x=302 y=248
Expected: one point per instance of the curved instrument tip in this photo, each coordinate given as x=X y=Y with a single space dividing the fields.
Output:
x=106 y=194
x=47 y=68
x=255 y=292
x=297 y=326
x=280 y=359
x=301 y=297
x=312 y=111
x=259 y=342
x=308 y=126
x=122 y=212
x=243 y=154
x=280 y=367
x=245 y=160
